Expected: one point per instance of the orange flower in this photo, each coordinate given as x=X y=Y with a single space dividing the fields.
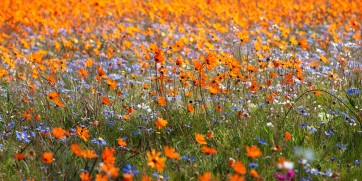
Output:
x=254 y=86
x=239 y=168
x=53 y=96
x=200 y=139
x=47 y=157
x=287 y=136
x=190 y=108
x=155 y=161
x=161 y=101
x=205 y=176
x=208 y=150
x=110 y=170
x=211 y=61
x=303 y=43
x=76 y=149
x=121 y=142
x=105 y=101
x=253 y=151
x=51 y=80
x=112 y=83
x=59 y=103
x=231 y=161
x=146 y=178
x=160 y=123
x=171 y=153
x=209 y=134
x=89 y=154
x=85 y=176
x=126 y=117
x=100 y=177
x=83 y=73
x=20 y=156
x=159 y=57
x=254 y=173
x=236 y=177
x=101 y=73
x=130 y=110
x=83 y=133
x=58 y=133
x=89 y=62
x=108 y=155
x=127 y=177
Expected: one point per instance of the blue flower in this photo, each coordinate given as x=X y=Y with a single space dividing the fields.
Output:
x=253 y=165
x=11 y=125
x=353 y=91
x=357 y=162
x=161 y=177
x=329 y=133
x=340 y=146
x=24 y=136
x=129 y=169
x=261 y=141
x=99 y=141
x=188 y=158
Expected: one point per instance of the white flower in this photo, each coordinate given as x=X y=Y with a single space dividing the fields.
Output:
x=269 y=124
x=288 y=165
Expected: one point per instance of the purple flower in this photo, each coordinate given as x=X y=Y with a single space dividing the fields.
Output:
x=290 y=174
x=285 y=176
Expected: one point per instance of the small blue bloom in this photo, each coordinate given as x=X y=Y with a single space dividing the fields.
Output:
x=340 y=146
x=188 y=158
x=99 y=141
x=357 y=162
x=24 y=136
x=161 y=177
x=261 y=141
x=129 y=169
x=329 y=133
x=353 y=91
x=253 y=165
x=11 y=125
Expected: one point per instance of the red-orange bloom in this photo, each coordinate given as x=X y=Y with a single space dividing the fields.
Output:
x=106 y=101
x=108 y=155
x=160 y=123
x=83 y=73
x=287 y=136
x=171 y=152
x=253 y=151
x=58 y=133
x=20 y=156
x=205 y=177
x=47 y=157
x=121 y=142
x=83 y=133
x=85 y=176
x=76 y=149
x=236 y=177
x=208 y=150
x=239 y=168
x=200 y=139
x=155 y=161
x=161 y=101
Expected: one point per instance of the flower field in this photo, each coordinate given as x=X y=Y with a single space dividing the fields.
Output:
x=180 y=90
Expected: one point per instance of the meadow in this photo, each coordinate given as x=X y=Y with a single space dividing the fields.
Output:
x=180 y=90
